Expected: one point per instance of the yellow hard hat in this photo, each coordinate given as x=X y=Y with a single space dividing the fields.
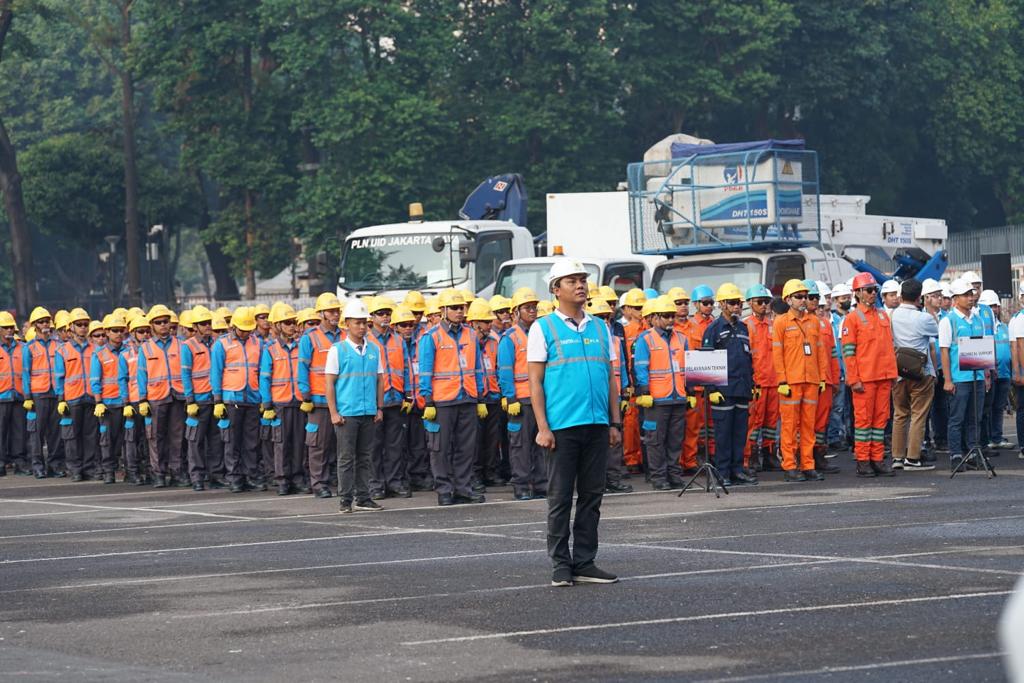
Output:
x=728 y=290
x=201 y=314
x=244 y=319
x=326 y=302
x=659 y=304
x=174 y=317
x=123 y=312
x=260 y=309
x=608 y=294
x=467 y=294
x=793 y=286
x=135 y=311
x=307 y=315
x=598 y=306
x=415 y=302
x=7 y=320
x=223 y=312
x=380 y=303
x=39 y=313
x=158 y=311
x=186 y=319
x=545 y=308
x=678 y=294
x=281 y=311
x=479 y=310
x=60 y=321
x=430 y=306
x=95 y=325
x=635 y=297
x=499 y=303
x=524 y=295
x=593 y=290
x=401 y=314
x=451 y=297
x=113 y=320
x=136 y=322
x=31 y=334
x=77 y=314
x=218 y=324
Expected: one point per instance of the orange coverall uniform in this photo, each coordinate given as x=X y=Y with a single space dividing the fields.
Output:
x=828 y=342
x=764 y=411
x=632 y=455
x=696 y=430
x=801 y=363
x=871 y=361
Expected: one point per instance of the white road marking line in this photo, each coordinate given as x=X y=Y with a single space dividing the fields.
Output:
x=118 y=528
x=709 y=617
x=135 y=509
x=857 y=667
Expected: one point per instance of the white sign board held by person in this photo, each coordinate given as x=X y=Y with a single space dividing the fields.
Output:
x=977 y=353
x=706 y=368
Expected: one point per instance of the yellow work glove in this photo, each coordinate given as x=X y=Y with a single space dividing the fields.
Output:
x=28 y=404
x=515 y=408
x=692 y=400
x=62 y=408
x=784 y=389
x=100 y=410
x=406 y=407
x=645 y=401
x=716 y=397
x=821 y=387
x=128 y=412
x=504 y=404
x=756 y=392
x=192 y=409
x=481 y=411
x=306 y=406
x=220 y=410
x=270 y=414
x=430 y=413
x=144 y=409
x=623 y=406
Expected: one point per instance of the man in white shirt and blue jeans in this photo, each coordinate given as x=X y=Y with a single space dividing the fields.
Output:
x=912 y=398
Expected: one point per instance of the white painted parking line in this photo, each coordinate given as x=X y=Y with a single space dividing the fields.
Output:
x=789 y=675
x=710 y=617
x=131 y=509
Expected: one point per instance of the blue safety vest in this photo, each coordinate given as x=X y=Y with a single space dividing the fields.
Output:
x=577 y=373
x=962 y=328
x=356 y=387
x=1004 y=362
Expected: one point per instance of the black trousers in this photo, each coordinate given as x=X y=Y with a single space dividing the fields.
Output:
x=418 y=460
x=525 y=457
x=241 y=455
x=205 y=450
x=665 y=441
x=389 y=463
x=356 y=444
x=289 y=441
x=81 y=440
x=730 y=420
x=488 y=445
x=323 y=448
x=111 y=439
x=46 y=431
x=454 y=449
x=165 y=432
x=13 y=446
x=136 y=448
x=577 y=462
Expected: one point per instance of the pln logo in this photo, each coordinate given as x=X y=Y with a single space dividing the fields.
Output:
x=733 y=175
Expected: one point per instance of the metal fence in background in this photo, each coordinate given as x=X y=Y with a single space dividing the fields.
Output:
x=966 y=248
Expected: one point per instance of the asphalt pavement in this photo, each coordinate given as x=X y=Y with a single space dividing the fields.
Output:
x=842 y=580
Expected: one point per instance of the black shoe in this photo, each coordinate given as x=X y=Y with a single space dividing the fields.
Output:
x=478 y=487
x=523 y=495
x=402 y=492
x=822 y=465
x=562 y=578
x=742 y=478
x=422 y=486
x=378 y=495
x=182 y=483
x=471 y=498
x=58 y=474
x=324 y=493
x=864 y=469
x=813 y=475
x=77 y=477
x=538 y=495
x=284 y=489
x=215 y=484
x=918 y=465
x=109 y=478
x=882 y=468
x=662 y=486
x=238 y=487
x=258 y=485
x=689 y=471
x=445 y=499
x=199 y=486
x=159 y=482
x=617 y=487
x=592 y=574
x=793 y=475
x=39 y=474
x=367 y=506
x=495 y=482
x=726 y=482
x=305 y=489
x=345 y=507
x=139 y=481
x=676 y=483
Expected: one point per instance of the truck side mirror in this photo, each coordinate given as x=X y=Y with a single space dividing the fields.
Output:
x=438 y=244
x=468 y=251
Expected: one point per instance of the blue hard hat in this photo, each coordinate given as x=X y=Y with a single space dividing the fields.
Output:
x=812 y=288
x=757 y=292
x=651 y=293
x=702 y=292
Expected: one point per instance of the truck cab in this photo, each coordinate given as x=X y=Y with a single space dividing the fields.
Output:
x=743 y=268
x=621 y=274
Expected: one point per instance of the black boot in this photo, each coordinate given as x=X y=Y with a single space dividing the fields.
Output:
x=770 y=461
x=864 y=469
x=821 y=464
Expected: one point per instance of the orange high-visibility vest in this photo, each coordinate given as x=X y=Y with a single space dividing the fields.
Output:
x=284 y=376
x=109 y=390
x=10 y=369
x=76 y=373
x=41 y=369
x=392 y=355
x=667 y=364
x=163 y=369
x=131 y=359
x=454 y=364
x=241 y=364
x=520 y=371
x=321 y=345
x=200 y=366
x=489 y=356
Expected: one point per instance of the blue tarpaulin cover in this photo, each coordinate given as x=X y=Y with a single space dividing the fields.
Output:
x=682 y=150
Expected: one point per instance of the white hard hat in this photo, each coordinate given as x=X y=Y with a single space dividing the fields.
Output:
x=989 y=298
x=960 y=286
x=890 y=286
x=823 y=288
x=355 y=308
x=842 y=289
x=947 y=290
x=930 y=286
x=970 y=276
x=563 y=267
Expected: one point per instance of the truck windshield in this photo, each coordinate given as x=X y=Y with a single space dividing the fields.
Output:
x=532 y=275
x=741 y=272
x=400 y=262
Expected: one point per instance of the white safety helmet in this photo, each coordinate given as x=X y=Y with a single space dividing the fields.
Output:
x=890 y=286
x=971 y=277
x=356 y=309
x=564 y=267
x=823 y=288
x=947 y=290
x=842 y=289
x=930 y=286
x=989 y=298
x=960 y=286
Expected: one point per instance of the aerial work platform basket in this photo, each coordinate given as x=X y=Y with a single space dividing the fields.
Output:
x=712 y=198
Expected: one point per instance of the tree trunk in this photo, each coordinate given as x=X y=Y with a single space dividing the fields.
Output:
x=14 y=203
x=131 y=178
x=220 y=263
x=250 y=233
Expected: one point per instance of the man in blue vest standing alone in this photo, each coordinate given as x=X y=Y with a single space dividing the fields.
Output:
x=575 y=401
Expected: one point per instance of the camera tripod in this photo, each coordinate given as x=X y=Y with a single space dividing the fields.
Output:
x=975 y=457
x=712 y=478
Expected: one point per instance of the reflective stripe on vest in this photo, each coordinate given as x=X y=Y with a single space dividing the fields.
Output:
x=131 y=358
x=10 y=368
x=489 y=356
x=284 y=379
x=41 y=371
x=666 y=378
x=577 y=374
x=454 y=365
x=241 y=364
x=109 y=389
x=393 y=356
x=200 y=366
x=163 y=369
x=321 y=345
x=76 y=362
